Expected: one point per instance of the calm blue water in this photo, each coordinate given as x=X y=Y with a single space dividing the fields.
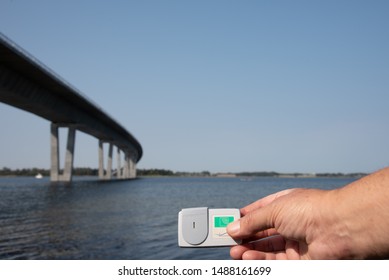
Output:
x=135 y=219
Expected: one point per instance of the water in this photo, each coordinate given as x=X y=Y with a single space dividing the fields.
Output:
x=136 y=219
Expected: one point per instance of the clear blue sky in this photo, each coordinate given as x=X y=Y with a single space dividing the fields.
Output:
x=224 y=86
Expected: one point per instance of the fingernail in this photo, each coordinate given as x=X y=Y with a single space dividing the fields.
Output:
x=233 y=228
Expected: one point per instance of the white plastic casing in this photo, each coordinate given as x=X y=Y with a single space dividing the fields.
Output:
x=204 y=227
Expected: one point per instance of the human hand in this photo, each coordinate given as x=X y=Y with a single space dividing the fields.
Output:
x=291 y=224
x=345 y=223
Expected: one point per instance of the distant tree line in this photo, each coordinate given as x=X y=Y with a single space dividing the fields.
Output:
x=258 y=174
x=87 y=171
x=154 y=172
x=165 y=172
x=296 y=174
x=79 y=171
x=356 y=174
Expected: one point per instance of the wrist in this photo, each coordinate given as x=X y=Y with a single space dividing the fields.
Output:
x=328 y=236
x=359 y=214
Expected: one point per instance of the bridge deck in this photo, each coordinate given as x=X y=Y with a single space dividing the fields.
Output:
x=29 y=85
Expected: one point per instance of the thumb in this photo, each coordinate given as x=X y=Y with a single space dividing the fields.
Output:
x=253 y=222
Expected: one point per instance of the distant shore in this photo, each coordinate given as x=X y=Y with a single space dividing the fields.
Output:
x=86 y=171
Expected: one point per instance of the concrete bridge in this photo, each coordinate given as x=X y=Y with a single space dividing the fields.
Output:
x=27 y=84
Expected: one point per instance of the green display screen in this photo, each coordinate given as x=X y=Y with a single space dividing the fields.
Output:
x=223 y=221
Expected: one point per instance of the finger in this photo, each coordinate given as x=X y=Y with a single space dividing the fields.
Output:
x=262 y=234
x=236 y=252
x=264 y=201
x=270 y=244
x=274 y=243
x=257 y=255
x=252 y=223
x=290 y=252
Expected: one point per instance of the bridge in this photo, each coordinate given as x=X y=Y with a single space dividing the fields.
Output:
x=27 y=84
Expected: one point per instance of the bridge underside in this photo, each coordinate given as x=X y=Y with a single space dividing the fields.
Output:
x=30 y=86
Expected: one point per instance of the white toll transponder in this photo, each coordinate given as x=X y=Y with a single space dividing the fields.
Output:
x=204 y=227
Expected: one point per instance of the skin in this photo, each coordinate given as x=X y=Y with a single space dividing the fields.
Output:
x=351 y=222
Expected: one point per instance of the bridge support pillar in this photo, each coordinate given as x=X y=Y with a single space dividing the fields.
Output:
x=133 y=168
x=119 y=165
x=54 y=169
x=69 y=155
x=105 y=174
x=109 y=165
x=127 y=171
x=125 y=168
x=101 y=160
